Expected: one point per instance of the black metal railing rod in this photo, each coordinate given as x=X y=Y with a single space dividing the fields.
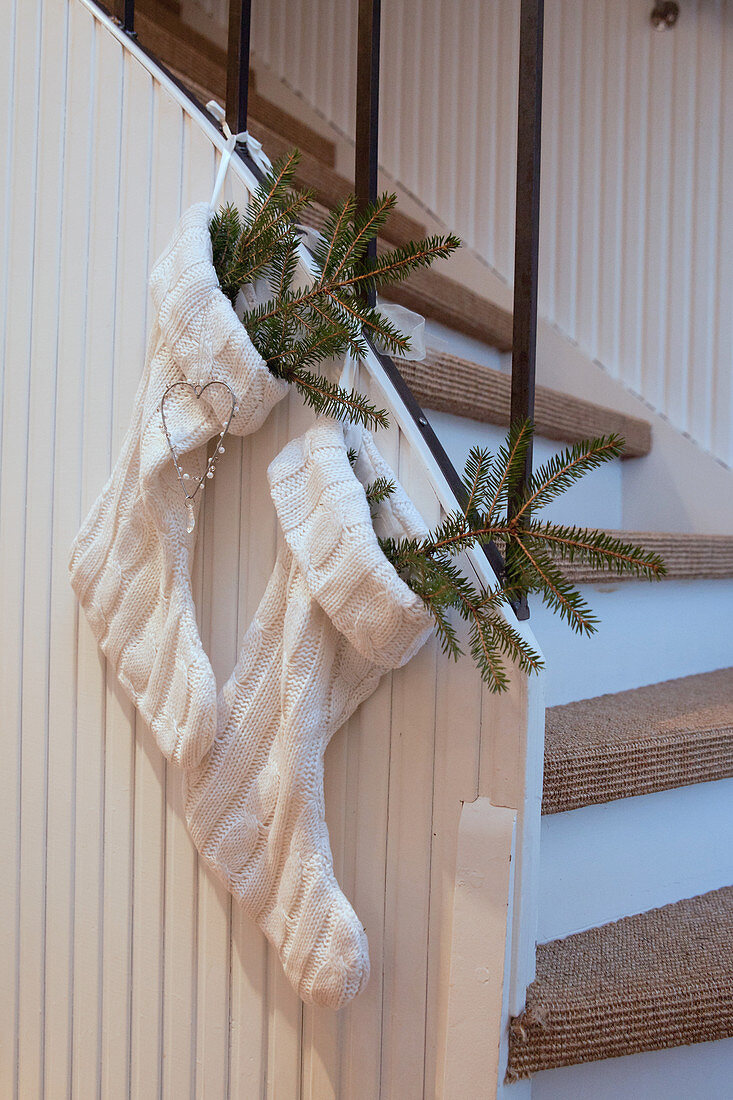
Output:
x=238 y=47
x=367 y=111
x=365 y=185
x=128 y=17
x=443 y=462
x=527 y=236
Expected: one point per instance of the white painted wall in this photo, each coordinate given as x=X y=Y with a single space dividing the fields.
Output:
x=637 y=224
x=648 y=632
x=594 y=501
x=600 y=863
x=125 y=970
x=700 y=1072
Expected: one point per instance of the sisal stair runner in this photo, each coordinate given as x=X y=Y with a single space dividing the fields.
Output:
x=452 y=384
x=636 y=742
x=654 y=980
x=686 y=556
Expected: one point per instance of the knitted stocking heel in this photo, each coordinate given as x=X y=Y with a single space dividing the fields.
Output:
x=131 y=562
x=334 y=617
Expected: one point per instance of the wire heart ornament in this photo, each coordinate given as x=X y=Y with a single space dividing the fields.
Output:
x=196 y=484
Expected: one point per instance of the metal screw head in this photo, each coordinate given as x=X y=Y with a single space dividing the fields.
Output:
x=665 y=14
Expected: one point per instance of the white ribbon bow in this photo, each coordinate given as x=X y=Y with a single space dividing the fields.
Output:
x=254 y=147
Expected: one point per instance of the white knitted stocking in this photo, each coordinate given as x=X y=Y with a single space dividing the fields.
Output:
x=131 y=562
x=334 y=617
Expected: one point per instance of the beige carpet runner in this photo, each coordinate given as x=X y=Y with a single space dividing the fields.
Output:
x=687 y=557
x=649 y=739
x=658 y=979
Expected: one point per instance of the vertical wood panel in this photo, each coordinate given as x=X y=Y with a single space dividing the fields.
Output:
x=35 y=453
x=98 y=405
x=706 y=214
x=150 y=772
x=658 y=144
x=611 y=183
x=60 y=876
x=589 y=171
x=369 y=745
x=136 y=977
x=119 y=742
x=12 y=466
x=681 y=177
x=723 y=398
x=409 y=847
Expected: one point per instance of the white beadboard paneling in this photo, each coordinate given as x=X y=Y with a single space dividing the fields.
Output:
x=63 y=653
x=637 y=147
x=119 y=745
x=40 y=351
x=129 y=972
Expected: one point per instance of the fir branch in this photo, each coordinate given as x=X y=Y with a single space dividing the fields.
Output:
x=556 y=591
x=366 y=227
x=298 y=328
x=509 y=465
x=597 y=548
x=378 y=490
x=538 y=549
x=328 y=399
x=563 y=469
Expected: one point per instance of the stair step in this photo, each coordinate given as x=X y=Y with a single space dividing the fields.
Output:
x=448 y=383
x=438 y=297
x=450 y=303
x=687 y=557
x=636 y=742
x=200 y=65
x=658 y=979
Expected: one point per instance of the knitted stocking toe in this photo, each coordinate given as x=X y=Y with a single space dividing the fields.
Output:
x=334 y=617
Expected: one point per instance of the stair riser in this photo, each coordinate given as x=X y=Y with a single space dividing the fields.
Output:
x=443 y=338
x=648 y=632
x=608 y=861
x=595 y=501
x=700 y=1072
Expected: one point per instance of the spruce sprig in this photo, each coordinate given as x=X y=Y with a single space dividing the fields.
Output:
x=298 y=326
x=539 y=547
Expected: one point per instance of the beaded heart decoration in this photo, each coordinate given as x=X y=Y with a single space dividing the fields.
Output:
x=191 y=484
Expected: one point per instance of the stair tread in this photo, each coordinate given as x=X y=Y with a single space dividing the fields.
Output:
x=658 y=979
x=449 y=383
x=636 y=742
x=688 y=556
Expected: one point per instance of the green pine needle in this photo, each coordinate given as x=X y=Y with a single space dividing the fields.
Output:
x=538 y=549
x=379 y=489
x=301 y=326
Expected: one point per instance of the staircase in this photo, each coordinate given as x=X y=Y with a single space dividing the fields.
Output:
x=638 y=766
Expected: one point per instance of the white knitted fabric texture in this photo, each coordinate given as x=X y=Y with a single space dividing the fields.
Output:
x=335 y=615
x=131 y=562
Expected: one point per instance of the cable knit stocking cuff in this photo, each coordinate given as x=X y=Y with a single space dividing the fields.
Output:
x=326 y=521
